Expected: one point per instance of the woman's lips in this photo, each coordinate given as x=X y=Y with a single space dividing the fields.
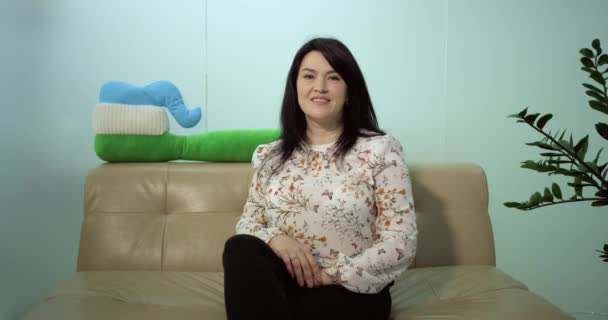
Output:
x=320 y=100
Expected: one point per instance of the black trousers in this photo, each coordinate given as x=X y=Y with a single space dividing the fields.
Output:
x=257 y=285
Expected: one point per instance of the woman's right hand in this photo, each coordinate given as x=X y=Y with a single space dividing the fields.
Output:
x=298 y=260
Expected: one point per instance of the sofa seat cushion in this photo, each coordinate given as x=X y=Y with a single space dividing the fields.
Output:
x=467 y=292
x=151 y=295
x=455 y=292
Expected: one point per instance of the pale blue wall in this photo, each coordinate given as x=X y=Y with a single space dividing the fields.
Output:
x=55 y=56
x=443 y=76
x=502 y=57
x=400 y=45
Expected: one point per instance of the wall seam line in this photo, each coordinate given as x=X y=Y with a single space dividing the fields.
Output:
x=445 y=79
x=206 y=50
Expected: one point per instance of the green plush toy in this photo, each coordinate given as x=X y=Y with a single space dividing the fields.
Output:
x=131 y=125
x=225 y=145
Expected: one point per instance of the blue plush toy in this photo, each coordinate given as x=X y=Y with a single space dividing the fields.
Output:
x=160 y=93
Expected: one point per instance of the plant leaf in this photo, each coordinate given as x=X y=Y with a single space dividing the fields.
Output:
x=550 y=154
x=529 y=164
x=537 y=166
x=512 y=204
x=587 y=53
x=542 y=145
x=535 y=199
x=596 y=44
x=524 y=206
x=551 y=161
x=594 y=169
x=557 y=191
x=578 y=188
x=602 y=193
x=531 y=118
x=581 y=147
x=581 y=185
x=569 y=173
x=597 y=157
x=545 y=139
x=595 y=95
x=592 y=87
x=600 y=203
x=546 y=167
x=543 y=120
x=597 y=77
x=520 y=115
x=602 y=60
x=602 y=129
x=597 y=105
x=587 y=69
x=523 y=112
x=547 y=197
x=567 y=144
x=587 y=62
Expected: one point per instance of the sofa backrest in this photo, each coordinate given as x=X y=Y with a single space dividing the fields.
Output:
x=176 y=216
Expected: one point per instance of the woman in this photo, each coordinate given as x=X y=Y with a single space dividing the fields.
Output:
x=329 y=222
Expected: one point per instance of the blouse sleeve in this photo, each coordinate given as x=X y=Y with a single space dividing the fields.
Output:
x=253 y=221
x=396 y=233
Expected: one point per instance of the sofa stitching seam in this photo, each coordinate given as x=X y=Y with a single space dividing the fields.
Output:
x=165 y=215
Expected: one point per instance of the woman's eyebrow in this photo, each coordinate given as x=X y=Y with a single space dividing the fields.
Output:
x=315 y=71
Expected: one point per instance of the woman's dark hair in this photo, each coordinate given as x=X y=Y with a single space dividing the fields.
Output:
x=358 y=112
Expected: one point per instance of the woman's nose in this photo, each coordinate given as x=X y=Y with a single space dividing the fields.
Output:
x=320 y=86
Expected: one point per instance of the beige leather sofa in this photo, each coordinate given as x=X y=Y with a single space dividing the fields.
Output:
x=153 y=235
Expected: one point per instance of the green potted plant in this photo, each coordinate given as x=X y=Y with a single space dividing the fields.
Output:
x=561 y=156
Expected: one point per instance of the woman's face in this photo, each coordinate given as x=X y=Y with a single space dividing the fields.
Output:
x=321 y=90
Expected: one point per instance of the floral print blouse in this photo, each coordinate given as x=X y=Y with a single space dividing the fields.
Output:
x=356 y=214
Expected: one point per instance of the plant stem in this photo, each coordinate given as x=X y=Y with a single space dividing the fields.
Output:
x=563 y=201
x=573 y=157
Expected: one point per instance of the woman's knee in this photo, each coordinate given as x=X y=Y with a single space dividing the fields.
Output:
x=241 y=245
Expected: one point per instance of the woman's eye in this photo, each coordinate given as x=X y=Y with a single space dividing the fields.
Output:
x=307 y=76
x=334 y=78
